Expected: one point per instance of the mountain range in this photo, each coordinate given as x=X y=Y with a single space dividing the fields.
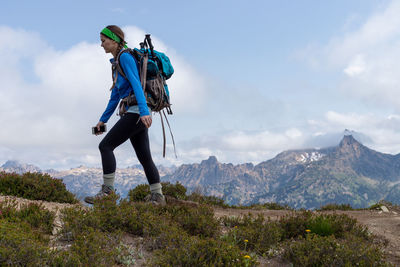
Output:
x=349 y=173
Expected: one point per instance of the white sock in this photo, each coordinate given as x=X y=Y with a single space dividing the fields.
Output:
x=109 y=180
x=156 y=188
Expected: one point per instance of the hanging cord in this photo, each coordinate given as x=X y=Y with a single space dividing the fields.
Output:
x=143 y=77
x=161 y=112
x=170 y=131
x=163 y=131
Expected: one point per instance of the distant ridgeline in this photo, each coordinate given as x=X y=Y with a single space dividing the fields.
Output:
x=349 y=173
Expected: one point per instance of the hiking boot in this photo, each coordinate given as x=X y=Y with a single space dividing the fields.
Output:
x=104 y=191
x=156 y=199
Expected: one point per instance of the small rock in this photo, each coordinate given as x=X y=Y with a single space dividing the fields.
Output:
x=384 y=209
x=379 y=212
x=394 y=212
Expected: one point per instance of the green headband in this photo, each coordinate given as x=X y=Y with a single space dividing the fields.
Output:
x=107 y=32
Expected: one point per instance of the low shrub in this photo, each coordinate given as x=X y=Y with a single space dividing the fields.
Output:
x=36 y=186
x=336 y=207
x=315 y=250
x=297 y=224
x=140 y=219
x=209 y=200
x=337 y=225
x=231 y=221
x=91 y=248
x=139 y=193
x=20 y=245
x=183 y=250
x=322 y=226
x=127 y=254
x=33 y=214
x=195 y=220
x=143 y=219
x=254 y=234
x=267 y=206
x=96 y=248
x=177 y=190
x=24 y=234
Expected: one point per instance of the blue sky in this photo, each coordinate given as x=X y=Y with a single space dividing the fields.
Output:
x=252 y=78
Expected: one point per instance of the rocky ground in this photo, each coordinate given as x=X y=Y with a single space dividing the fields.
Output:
x=383 y=222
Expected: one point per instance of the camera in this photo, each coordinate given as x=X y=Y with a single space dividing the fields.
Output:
x=103 y=128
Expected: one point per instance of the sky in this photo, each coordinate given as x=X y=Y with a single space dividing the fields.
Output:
x=252 y=78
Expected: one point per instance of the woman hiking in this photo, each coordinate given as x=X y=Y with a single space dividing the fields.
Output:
x=132 y=125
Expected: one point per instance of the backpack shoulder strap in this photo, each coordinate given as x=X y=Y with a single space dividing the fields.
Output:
x=117 y=65
x=142 y=59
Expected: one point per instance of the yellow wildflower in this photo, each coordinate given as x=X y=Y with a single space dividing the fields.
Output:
x=246 y=240
x=247 y=257
x=235 y=226
x=308 y=230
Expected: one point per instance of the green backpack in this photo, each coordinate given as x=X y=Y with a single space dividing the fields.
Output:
x=154 y=69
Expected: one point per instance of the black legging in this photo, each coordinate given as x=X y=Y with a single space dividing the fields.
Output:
x=129 y=127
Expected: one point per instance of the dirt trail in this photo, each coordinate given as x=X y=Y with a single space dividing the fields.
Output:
x=380 y=223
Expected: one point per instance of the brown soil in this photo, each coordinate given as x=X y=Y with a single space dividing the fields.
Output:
x=385 y=225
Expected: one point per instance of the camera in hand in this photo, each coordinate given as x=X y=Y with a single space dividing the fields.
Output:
x=103 y=128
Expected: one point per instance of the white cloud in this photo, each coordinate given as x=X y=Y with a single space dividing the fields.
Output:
x=47 y=121
x=351 y=120
x=378 y=132
x=356 y=66
x=242 y=146
x=369 y=57
x=187 y=86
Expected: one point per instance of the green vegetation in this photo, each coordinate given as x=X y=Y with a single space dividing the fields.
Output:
x=35 y=186
x=307 y=239
x=333 y=206
x=179 y=234
x=379 y=204
x=266 y=206
x=24 y=234
x=176 y=191
x=316 y=250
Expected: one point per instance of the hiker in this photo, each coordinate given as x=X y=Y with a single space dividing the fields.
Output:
x=133 y=123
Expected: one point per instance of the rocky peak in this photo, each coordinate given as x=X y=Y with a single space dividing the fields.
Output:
x=18 y=167
x=350 y=146
x=349 y=140
x=212 y=160
x=11 y=164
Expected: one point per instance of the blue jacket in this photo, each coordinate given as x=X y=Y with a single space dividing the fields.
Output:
x=123 y=87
